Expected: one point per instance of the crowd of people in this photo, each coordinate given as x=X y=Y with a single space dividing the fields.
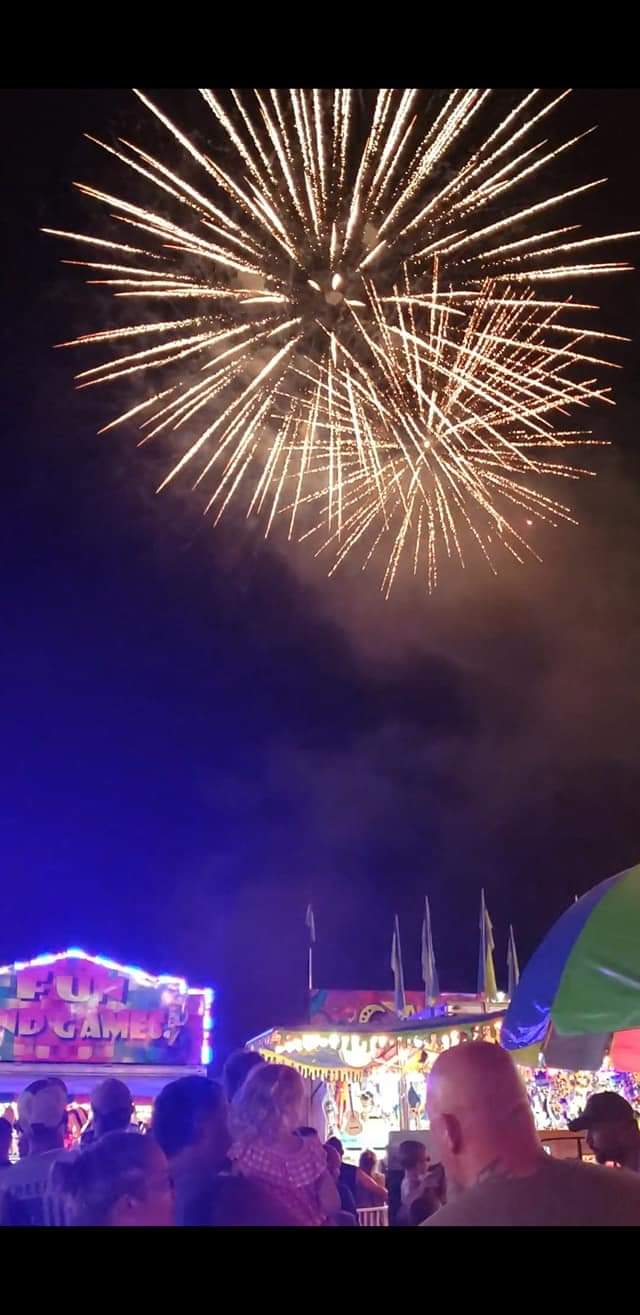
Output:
x=237 y=1154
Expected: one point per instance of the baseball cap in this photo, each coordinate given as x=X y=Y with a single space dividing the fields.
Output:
x=47 y=1106
x=603 y=1107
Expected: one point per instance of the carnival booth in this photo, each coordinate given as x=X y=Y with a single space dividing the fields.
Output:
x=574 y=1021
x=366 y=1067
x=82 y=1018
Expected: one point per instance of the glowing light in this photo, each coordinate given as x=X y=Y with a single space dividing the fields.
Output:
x=206 y=1049
x=362 y=351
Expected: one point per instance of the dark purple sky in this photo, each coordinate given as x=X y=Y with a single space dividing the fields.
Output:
x=198 y=730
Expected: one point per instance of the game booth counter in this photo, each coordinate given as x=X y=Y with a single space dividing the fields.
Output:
x=83 y=1018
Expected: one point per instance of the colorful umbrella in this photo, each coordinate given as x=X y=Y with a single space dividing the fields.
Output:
x=579 y=995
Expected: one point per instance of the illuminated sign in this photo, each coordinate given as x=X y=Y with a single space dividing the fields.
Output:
x=359 y=1007
x=80 y=1008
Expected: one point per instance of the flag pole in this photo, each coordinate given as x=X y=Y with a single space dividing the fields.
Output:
x=513 y=966
x=310 y=924
x=482 y=957
x=400 y=1004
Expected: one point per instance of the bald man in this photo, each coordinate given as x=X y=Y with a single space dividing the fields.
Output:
x=497 y=1172
x=112 y=1107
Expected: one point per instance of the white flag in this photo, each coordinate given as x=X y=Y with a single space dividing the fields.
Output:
x=398 y=971
x=429 y=970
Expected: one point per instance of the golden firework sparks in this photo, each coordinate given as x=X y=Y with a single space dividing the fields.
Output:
x=369 y=356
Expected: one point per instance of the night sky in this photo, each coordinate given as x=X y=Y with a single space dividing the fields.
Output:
x=200 y=731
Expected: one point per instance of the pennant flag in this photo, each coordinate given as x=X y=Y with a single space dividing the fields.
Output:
x=398 y=971
x=310 y=923
x=513 y=967
x=487 y=985
x=429 y=970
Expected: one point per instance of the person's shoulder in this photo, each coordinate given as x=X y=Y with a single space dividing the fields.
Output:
x=466 y=1209
x=32 y=1168
x=598 y=1193
x=445 y=1217
x=488 y=1201
x=604 y=1178
x=560 y=1192
x=59 y=1153
x=59 y=1161
x=585 y=1172
x=17 y=1173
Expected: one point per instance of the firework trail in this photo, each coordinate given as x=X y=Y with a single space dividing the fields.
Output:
x=358 y=335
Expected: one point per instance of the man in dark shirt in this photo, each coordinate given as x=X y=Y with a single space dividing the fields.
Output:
x=334 y=1165
x=497 y=1172
x=190 y=1124
x=612 y=1130
x=237 y=1069
x=347 y=1171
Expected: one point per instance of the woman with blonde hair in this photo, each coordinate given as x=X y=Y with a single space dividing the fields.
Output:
x=265 y=1114
x=370 y=1188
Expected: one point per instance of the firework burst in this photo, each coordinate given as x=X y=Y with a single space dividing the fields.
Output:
x=356 y=331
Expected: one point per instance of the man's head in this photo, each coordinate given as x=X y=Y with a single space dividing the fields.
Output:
x=191 y=1114
x=112 y=1107
x=42 y=1115
x=610 y=1124
x=237 y=1069
x=23 y=1138
x=6 y=1133
x=413 y=1157
x=119 y=1182
x=479 y=1113
x=337 y=1144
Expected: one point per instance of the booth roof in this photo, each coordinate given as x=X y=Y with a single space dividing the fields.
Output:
x=422 y=1023
x=143 y=1079
x=416 y=1025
